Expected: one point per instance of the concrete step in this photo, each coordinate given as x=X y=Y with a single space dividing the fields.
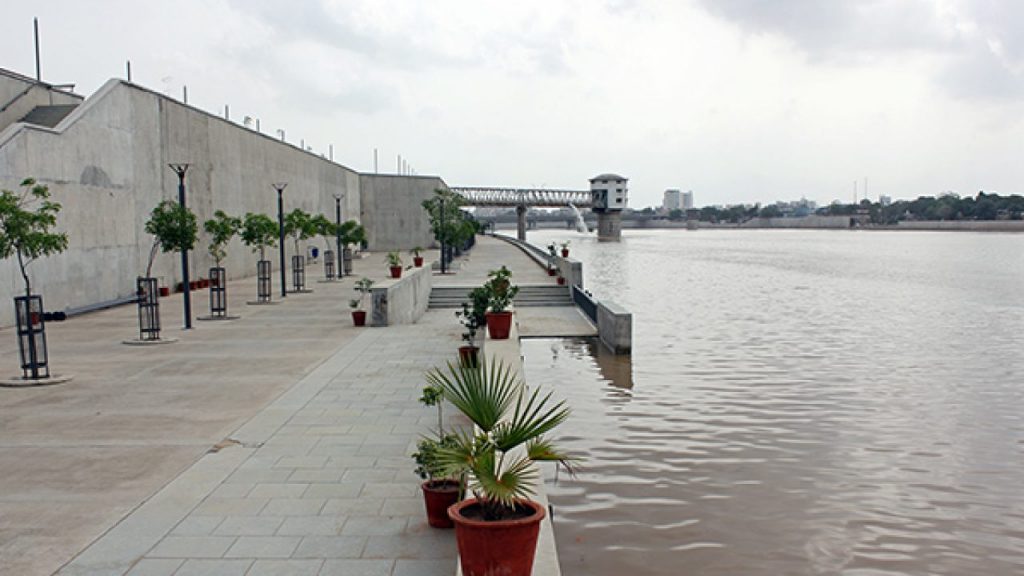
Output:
x=529 y=295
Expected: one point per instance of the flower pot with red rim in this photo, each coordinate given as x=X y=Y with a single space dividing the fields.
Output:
x=488 y=547
x=565 y=252
x=439 y=495
x=359 y=317
x=165 y=291
x=396 y=271
x=561 y=281
x=551 y=271
x=417 y=261
x=468 y=355
x=499 y=324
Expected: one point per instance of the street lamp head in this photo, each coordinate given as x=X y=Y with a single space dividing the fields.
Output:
x=279 y=186
x=179 y=169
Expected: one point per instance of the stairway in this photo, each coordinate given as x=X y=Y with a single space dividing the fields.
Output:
x=48 y=116
x=535 y=295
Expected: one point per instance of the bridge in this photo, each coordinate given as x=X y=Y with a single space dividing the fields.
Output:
x=521 y=198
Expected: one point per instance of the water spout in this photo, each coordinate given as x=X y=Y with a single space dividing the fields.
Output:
x=581 y=226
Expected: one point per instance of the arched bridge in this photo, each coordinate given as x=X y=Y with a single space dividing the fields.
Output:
x=521 y=199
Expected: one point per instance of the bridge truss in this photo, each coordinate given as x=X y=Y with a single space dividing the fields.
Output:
x=513 y=197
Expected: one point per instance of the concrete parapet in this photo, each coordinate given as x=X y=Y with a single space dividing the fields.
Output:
x=403 y=300
x=571 y=270
x=615 y=327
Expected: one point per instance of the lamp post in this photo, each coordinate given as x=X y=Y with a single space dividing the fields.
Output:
x=443 y=234
x=337 y=233
x=280 y=186
x=180 y=170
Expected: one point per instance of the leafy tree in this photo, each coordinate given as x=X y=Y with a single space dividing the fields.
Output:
x=258 y=232
x=446 y=224
x=352 y=232
x=221 y=229
x=675 y=214
x=771 y=211
x=174 y=229
x=325 y=228
x=300 y=226
x=26 y=221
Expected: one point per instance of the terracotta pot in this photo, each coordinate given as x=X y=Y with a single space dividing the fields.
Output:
x=551 y=271
x=165 y=291
x=468 y=355
x=193 y=285
x=499 y=324
x=565 y=252
x=439 y=495
x=180 y=287
x=396 y=271
x=561 y=281
x=497 y=547
x=417 y=261
x=359 y=317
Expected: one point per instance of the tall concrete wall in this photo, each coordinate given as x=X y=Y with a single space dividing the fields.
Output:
x=392 y=210
x=106 y=163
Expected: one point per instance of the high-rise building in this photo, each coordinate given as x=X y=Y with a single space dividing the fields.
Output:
x=687 y=199
x=672 y=200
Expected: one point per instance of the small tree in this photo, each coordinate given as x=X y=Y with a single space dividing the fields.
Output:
x=352 y=232
x=325 y=228
x=258 y=232
x=445 y=216
x=221 y=229
x=174 y=229
x=26 y=221
x=300 y=226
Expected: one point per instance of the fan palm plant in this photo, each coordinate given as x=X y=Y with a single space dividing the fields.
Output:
x=506 y=416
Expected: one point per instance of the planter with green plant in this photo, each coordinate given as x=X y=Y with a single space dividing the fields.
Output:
x=26 y=222
x=496 y=530
x=351 y=233
x=473 y=317
x=500 y=292
x=259 y=232
x=362 y=286
x=417 y=256
x=329 y=231
x=394 y=262
x=301 y=227
x=174 y=229
x=552 y=254
x=221 y=228
x=439 y=490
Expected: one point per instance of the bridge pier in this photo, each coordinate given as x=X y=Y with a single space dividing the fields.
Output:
x=521 y=222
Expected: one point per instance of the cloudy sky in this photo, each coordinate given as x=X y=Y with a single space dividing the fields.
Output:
x=737 y=100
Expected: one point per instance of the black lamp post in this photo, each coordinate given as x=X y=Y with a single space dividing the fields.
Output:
x=180 y=170
x=280 y=186
x=443 y=234
x=337 y=233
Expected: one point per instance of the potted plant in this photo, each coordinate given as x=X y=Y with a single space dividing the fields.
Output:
x=362 y=286
x=552 y=254
x=221 y=228
x=439 y=491
x=417 y=258
x=26 y=220
x=300 y=226
x=565 y=249
x=329 y=231
x=174 y=229
x=473 y=317
x=258 y=232
x=394 y=261
x=496 y=530
x=500 y=293
x=350 y=232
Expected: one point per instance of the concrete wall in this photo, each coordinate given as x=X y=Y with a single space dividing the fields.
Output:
x=20 y=94
x=968 y=225
x=392 y=210
x=401 y=301
x=837 y=222
x=106 y=163
x=615 y=327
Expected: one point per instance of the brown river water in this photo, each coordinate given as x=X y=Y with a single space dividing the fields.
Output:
x=797 y=402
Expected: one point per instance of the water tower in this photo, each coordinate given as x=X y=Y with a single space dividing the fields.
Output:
x=609 y=194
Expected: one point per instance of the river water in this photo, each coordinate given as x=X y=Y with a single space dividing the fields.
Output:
x=797 y=402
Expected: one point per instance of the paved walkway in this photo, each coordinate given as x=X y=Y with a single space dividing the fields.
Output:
x=489 y=254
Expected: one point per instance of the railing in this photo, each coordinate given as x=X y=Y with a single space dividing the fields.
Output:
x=585 y=302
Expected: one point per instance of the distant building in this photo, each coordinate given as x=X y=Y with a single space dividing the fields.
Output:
x=885 y=200
x=672 y=200
x=688 y=200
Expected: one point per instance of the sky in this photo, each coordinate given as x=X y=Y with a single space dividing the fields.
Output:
x=740 y=101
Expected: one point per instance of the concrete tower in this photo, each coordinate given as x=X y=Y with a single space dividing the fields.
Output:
x=609 y=195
